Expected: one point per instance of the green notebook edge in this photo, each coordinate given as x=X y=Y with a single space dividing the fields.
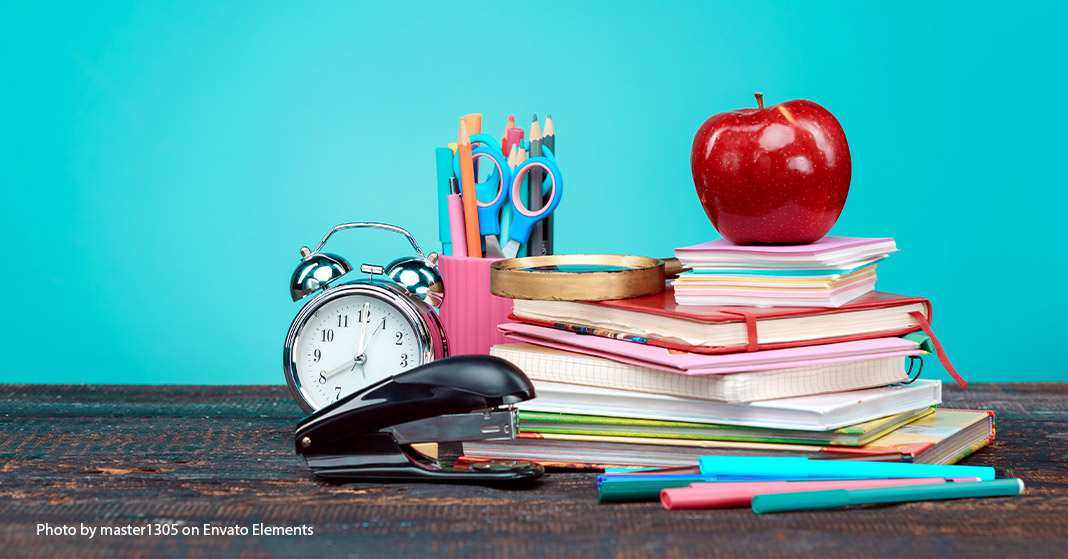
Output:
x=542 y=422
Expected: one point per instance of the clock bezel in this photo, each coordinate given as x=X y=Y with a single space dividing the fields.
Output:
x=429 y=333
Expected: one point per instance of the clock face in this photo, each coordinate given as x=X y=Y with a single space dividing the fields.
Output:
x=351 y=342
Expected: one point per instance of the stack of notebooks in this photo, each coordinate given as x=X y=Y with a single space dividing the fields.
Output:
x=648 y=382
x=827 y=273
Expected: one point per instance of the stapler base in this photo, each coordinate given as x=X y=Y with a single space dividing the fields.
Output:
x=378 y=457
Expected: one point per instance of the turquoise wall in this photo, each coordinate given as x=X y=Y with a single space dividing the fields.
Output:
x=161 y=163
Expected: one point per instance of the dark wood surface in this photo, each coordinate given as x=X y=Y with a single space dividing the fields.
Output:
x=120 y=455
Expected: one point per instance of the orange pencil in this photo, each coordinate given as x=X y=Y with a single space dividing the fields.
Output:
x=467 y=190
x=474 y=126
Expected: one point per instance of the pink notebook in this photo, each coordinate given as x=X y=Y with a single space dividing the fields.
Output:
x=822 y=246
x=702 y=364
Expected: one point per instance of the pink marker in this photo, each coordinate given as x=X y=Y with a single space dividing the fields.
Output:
x=513 y=137
x=724 y=495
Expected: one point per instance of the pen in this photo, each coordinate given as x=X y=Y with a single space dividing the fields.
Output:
x=648 y=488
x=639 y=490
x=548 y=140
x=766 y=466
x=535 y=202
x=467 y=190
x=736 y=494
x=457 y=229
x=837 y=498
x=443 y=158
x=866 y=457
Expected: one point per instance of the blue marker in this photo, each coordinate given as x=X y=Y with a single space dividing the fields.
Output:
x=781 y=467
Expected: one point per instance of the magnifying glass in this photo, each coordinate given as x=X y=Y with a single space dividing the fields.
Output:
x=577 y=277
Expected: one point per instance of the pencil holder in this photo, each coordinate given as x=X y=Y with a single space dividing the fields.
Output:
x=470 y=313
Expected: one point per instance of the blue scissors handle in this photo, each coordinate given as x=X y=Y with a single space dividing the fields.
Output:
x=489 y=212
x=483 y=141
x=523 y=219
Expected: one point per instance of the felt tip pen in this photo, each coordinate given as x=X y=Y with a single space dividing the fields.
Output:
x=740 y=493
x=837 y=498
x=638 y=490
x=645 y=488
x=443 y=159
x=765 y=466
x=694 y=478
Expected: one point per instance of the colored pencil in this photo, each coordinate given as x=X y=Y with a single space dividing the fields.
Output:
x=474 y=126
x=548 y=140
x=534 y=195
x=504 y=137
x=520 y=158
x=467 y=190
x=506 y=211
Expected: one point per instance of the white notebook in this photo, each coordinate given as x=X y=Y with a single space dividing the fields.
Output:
x=553 y=365
x=821 y=412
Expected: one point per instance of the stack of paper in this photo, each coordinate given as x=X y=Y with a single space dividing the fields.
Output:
x=657 y=382
x=827 y=273
x=645 y=405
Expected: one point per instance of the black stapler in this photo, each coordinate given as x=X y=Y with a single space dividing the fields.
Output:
x=367 y=435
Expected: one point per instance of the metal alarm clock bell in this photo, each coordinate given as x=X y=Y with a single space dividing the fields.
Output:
x=353 y=334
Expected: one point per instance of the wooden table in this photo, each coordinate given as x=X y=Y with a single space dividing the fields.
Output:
x=185 y=456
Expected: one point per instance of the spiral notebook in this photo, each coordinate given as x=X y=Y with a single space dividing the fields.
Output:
x=554 y=365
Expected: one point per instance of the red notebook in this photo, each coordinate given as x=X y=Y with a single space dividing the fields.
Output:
x=657 y=320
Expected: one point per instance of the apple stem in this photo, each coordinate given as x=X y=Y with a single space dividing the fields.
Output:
x=760 y=100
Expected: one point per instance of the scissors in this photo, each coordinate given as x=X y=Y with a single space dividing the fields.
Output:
x=509 y=184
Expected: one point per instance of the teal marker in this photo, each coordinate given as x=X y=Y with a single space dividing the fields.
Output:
x=800 y=467
x=837 y=498
x=443 y=156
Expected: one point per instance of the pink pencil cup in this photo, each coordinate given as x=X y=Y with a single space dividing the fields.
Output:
x=470 y=313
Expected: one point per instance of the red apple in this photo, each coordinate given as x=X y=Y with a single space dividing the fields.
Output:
x=772 y=175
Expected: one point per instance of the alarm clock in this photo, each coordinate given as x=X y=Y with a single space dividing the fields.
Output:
x=353 y=334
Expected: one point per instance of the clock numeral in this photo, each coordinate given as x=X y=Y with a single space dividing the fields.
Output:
x=337 y=389
x=342 y=321
x=360 y=317
x=400 y=335
x=383 y=322
x=328 y=335
x=322 y=377
x=404 y=360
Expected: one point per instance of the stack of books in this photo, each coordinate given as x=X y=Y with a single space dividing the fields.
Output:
x=649 y=382
x=827 y=273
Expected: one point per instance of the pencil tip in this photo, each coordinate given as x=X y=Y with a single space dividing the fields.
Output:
x=535 y=118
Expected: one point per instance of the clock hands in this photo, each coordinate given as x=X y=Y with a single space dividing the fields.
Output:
x=350 y=364
x=362 y=346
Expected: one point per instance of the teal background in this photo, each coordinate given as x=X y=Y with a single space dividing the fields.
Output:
x=161 y=163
